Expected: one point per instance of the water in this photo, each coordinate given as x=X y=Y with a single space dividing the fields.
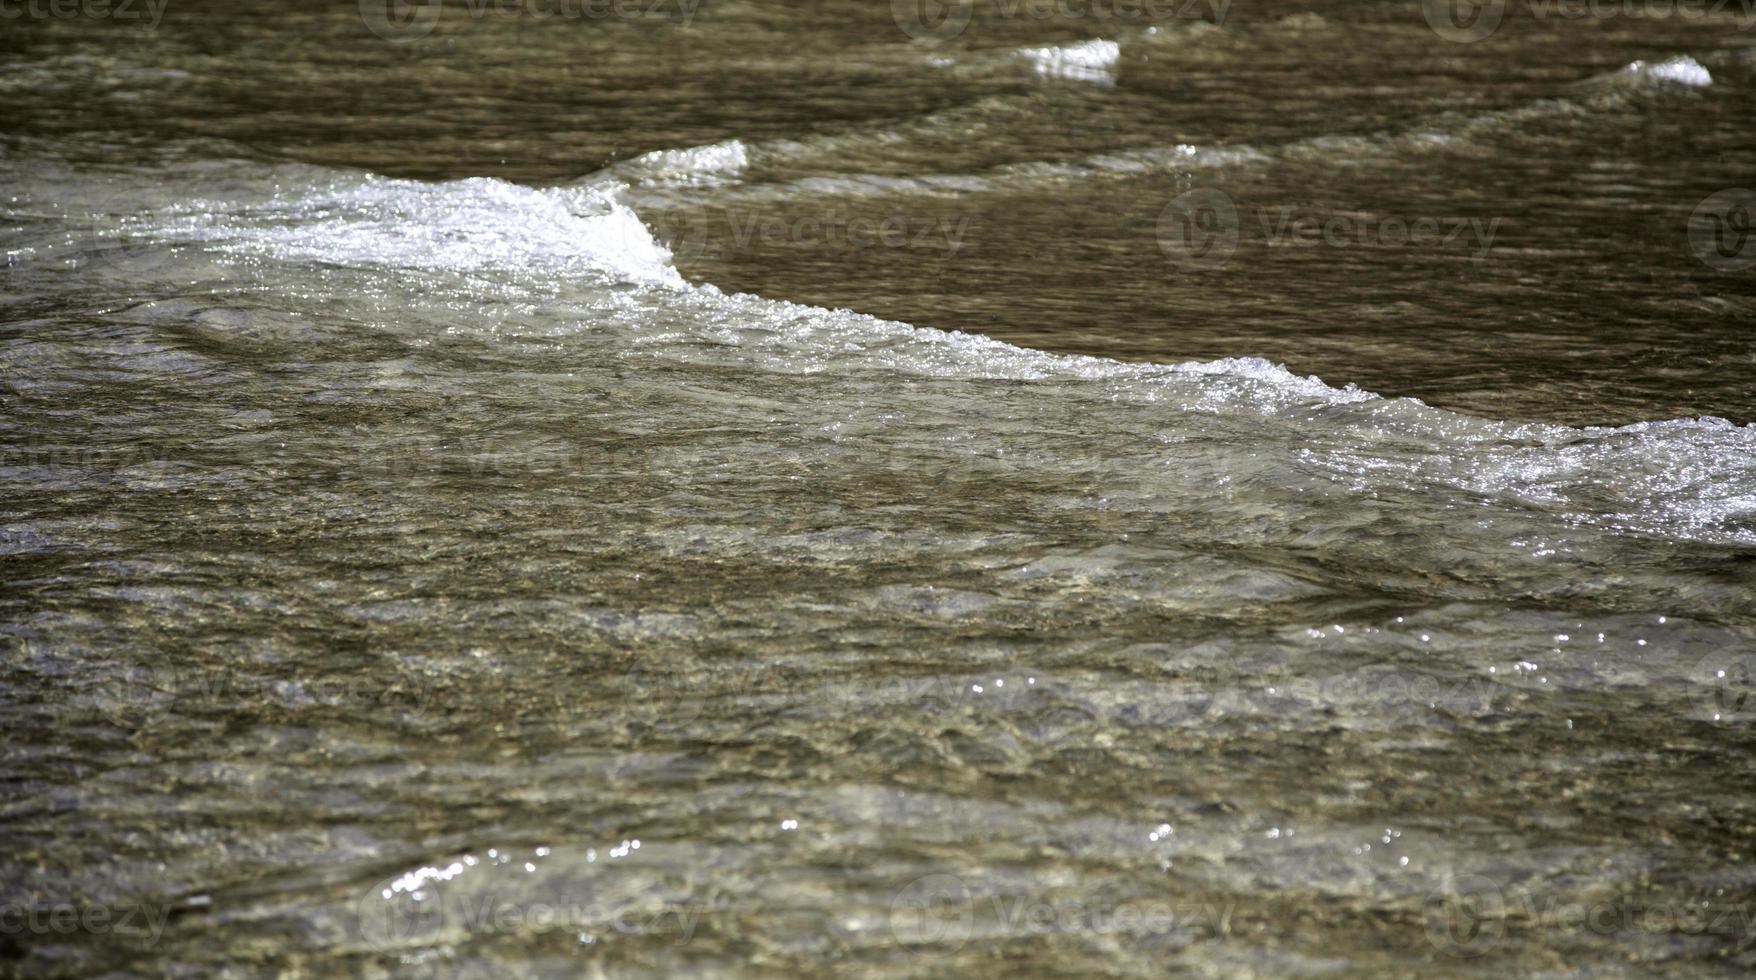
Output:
x=744 y=490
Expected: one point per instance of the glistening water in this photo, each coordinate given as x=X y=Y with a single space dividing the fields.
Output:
x=983 y=489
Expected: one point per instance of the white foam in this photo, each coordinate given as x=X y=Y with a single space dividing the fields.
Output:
x=1683 y=70
x=692 y=165
x=464 y=225
x=1087 y=61
x=1268 y=372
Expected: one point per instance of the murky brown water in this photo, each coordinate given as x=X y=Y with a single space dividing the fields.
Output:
x=416 y=558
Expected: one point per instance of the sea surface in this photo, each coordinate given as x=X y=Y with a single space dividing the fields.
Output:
x=989 y=488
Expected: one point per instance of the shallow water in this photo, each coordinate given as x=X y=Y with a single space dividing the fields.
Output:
x=742 y=489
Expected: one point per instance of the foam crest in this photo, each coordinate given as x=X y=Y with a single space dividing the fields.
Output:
x=458 y=226
x=692 y=166
x=1608 y=97
x=1087 y=61
x=1681 y=70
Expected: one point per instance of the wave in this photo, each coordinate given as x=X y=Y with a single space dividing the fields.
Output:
x=711 y=165
x=578 y=261
x=460 y=226
x=1605 y=96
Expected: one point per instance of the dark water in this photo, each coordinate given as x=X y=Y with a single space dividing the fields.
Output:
x=757 y=488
